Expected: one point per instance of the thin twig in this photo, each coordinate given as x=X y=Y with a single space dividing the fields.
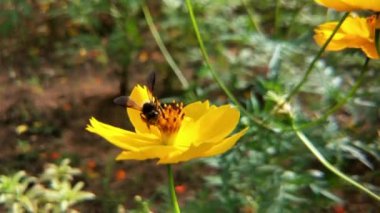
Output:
x=215 y=75
x=328 y=165
x=316 y=58
x=348 y=97
x=161 y=45
x=252 y=18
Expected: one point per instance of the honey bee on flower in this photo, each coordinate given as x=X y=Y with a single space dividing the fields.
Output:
x=174 y=133
x=166 y=116
x=151 y=110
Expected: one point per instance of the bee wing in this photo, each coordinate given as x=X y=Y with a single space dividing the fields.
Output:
x=151 y=81
x=125 y=101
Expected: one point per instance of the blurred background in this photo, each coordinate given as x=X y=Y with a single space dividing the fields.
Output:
x=63 y=61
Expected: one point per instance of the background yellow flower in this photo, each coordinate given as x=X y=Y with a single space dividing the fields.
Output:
x=355 y=32
x=202 y=132
x=350 y=5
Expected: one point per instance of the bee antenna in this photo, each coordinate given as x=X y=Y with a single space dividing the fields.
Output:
x=151 y=81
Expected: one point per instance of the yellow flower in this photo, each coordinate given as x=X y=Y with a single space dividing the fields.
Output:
x=180 y=134
x=350 y=5
x=355 y=32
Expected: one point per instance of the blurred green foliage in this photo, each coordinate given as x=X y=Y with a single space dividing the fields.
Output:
x=261 y=49
x=51 y=192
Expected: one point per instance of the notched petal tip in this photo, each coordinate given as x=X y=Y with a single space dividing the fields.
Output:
x=90 y=126
x=140 y=94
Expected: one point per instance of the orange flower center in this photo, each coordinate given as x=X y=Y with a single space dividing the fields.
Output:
x=171 y=116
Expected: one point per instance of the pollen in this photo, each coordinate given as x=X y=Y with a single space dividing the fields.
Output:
x=171 y=116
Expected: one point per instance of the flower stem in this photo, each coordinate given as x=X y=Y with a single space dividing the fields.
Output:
x=319 y=54
x=215 y=75
x=173 y=196
x=328 y=165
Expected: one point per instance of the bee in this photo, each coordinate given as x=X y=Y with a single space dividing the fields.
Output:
x=150 y=111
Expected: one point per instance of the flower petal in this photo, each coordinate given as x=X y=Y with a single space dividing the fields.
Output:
x=216 y=124
x=139 y=124
x=370 y=50
x=197 y=109
x=337 y=5
x=355 y=32
x=189 y=126
x=122 y=138
x=152 y=152
x=205 y=150
x=373 y=5
x=206 y=124
x=186 y=134
x=225 y=145
x=140 y=95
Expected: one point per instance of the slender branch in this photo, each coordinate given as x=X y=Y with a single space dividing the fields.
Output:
x=173 y=196
x=295 y=17
x=205 y=55
x=252 y=18
x=316 y=58
x=348 y=97
x=215 y=75
x=277 y=18
x=161 y=45
x=329 y=166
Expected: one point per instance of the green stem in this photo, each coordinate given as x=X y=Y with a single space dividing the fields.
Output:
x=319 y=54
x=328 y=165
x=215 y=75
x=252 y=18
x=277 y=18
x=173 y=196
x=161 y=45
x=205 y=55
x=353 y=90
x=343 y=101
